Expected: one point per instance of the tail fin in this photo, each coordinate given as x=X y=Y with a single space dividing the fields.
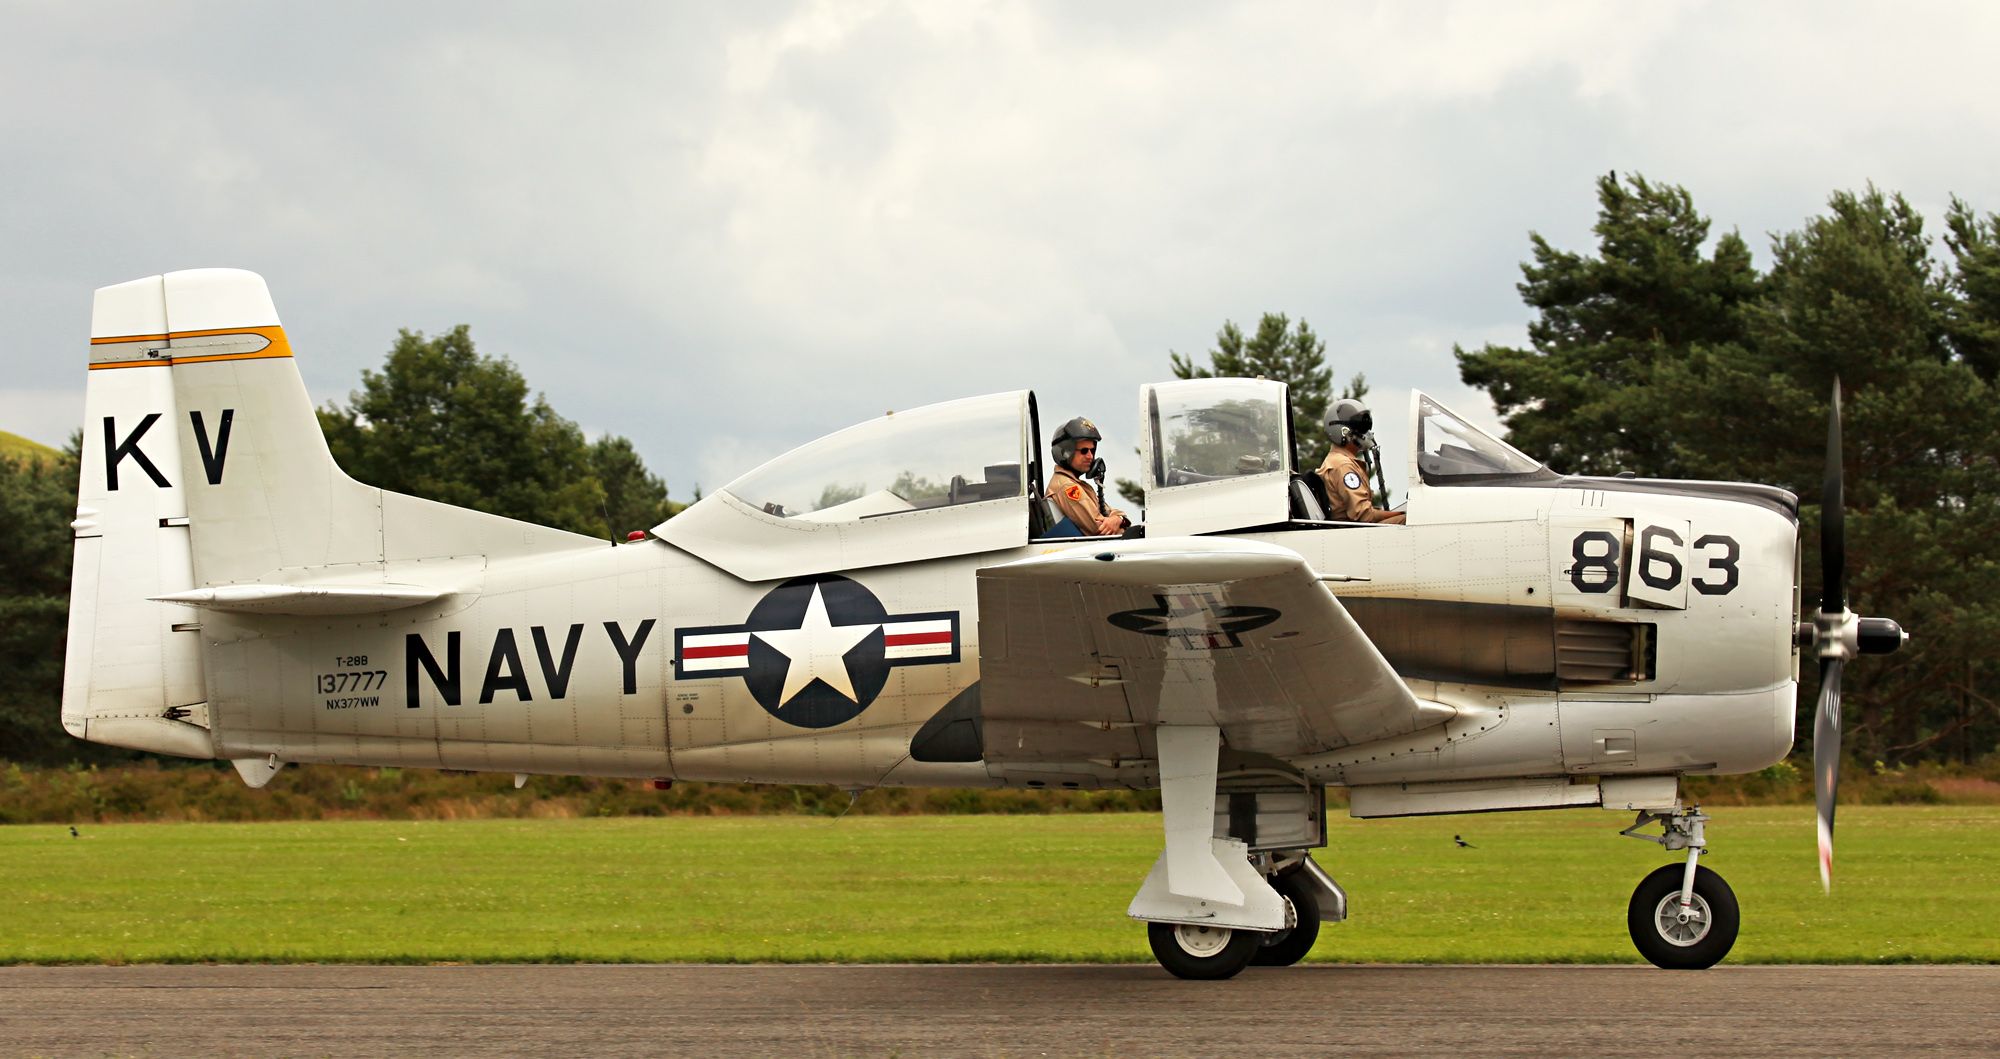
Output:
x=132 y=671
x=206 y=479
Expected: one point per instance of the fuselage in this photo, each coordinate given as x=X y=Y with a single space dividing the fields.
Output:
x=571 y=662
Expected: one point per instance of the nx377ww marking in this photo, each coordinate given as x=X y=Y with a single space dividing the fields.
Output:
x=895 y=604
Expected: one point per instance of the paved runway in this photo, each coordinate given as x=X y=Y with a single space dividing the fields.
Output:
x=994 y=1010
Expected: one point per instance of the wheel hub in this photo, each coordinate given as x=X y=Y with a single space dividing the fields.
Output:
x=1201 y=940
x=1682 y=926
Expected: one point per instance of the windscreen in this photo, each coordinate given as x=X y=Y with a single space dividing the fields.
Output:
x=960 y=452
x=1218 y=428
x=1451 y=451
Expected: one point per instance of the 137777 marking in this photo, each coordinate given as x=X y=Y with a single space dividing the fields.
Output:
x=351 y=680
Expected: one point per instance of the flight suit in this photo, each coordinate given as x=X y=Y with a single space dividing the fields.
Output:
x=1348 y=497
x=1075 y=499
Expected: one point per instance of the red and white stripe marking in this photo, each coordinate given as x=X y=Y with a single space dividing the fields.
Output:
x=917 y=639
x=719 y=652
x=902 y=641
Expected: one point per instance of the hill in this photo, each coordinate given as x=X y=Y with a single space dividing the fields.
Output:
x=16 y=447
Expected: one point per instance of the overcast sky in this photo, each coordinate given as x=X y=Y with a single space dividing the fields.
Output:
x=725 y=229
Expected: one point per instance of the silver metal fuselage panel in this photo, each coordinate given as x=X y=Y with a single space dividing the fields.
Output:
x=1472 y=607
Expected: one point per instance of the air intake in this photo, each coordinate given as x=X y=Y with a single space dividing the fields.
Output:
x=1603 y=652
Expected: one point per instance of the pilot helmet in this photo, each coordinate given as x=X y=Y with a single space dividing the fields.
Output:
x=1067 y=435
x=1350 y=420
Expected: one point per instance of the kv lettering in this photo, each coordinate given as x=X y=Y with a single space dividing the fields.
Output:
x=214 y=450
x=555 y=651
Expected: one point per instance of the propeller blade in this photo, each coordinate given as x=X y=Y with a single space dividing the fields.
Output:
x=1833 y=519
x=1826 y=761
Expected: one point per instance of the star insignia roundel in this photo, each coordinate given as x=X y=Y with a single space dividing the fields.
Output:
x=816 y=651
x=1195 y=619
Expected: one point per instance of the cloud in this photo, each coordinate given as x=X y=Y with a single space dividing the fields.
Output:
x=725 y=231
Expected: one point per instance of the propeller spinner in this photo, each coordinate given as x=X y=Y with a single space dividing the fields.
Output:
x=1838 y=635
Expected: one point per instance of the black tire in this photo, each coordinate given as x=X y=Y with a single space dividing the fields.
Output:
x=1691 y=946
x=1201 y=952
x=1284 y=948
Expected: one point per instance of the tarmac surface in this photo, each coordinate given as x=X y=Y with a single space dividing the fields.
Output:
x=997 y=1010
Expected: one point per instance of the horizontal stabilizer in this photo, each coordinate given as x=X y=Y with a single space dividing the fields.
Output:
x=311 y=600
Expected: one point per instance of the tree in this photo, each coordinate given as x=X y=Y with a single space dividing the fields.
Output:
x=36 y=498
x=634 y=497
x=1972 y=323
x=1729 y=379
x=1576 y=398
x=37 y=501
x=443 y=422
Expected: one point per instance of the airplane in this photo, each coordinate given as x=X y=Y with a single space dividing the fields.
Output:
x=896 y=604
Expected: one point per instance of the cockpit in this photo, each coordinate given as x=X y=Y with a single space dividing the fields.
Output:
x=967 y=476
x=942 y=455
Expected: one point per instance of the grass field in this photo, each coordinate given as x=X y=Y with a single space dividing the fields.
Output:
x=1918 y=883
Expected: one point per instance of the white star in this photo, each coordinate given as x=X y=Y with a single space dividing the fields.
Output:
x=822 y=648
x=1197 y=622
x=1187 y=615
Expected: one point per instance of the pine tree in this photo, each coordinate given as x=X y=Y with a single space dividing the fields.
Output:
x=1576 y=397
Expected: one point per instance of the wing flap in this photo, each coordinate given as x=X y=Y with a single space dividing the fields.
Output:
x=1115 y=639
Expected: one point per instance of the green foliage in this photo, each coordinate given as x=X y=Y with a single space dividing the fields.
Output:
x=1650 y=357
x=37 y=501
x=634 y=497
x=211 y=791
x=443 y=422
x=1129 y=489
x=1577 y=398
x=1972 y=316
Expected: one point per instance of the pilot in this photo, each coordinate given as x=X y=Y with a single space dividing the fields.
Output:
x=1349 y=499
x=1075 y=449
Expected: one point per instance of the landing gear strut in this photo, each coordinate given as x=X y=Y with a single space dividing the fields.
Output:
x=1683 y=917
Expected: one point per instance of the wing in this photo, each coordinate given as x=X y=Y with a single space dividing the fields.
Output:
x=1082 y=652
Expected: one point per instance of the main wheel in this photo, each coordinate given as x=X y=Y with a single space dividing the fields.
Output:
x=1189 y=950
x=1283 y=948
x=1677 y=939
